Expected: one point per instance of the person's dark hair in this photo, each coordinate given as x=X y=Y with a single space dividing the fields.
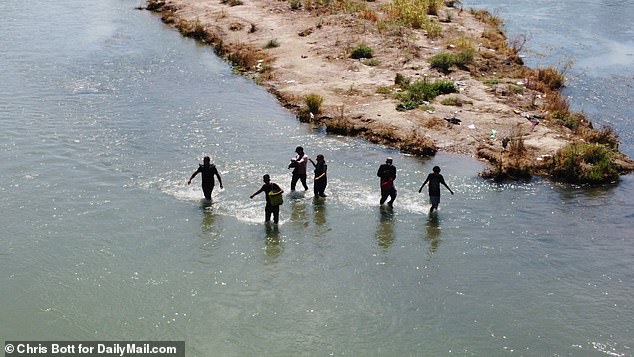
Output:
x=320 y=157
x=436 y=169
x=266 y=178
x=299 y=149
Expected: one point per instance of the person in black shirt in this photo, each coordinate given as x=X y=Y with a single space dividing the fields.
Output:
x=208 y=171
x=387 y=173
x=321 y=179
x=270 y=209
x=435 y=179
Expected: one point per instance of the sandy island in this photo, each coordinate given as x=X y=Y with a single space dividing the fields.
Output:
x=309 y=52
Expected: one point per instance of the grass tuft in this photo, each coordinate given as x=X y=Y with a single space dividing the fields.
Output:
x=422 y=91
x=443 y=61
x=362 y=51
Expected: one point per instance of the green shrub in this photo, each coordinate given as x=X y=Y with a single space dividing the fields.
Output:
x=444 y=87
x=422 y=91
x=464 y=57
x=571 y=121
x=313 y=102
x=442 y=61
x=362 y=51
x=371 y=62
x=453 y=101
x=432 y=28
x=585 y=164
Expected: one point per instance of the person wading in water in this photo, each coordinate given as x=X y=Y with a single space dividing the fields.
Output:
x=321 y=179
x=387 y=173
x=272 y=207
x=208 y=171
x=298 y=164
x=435 y=179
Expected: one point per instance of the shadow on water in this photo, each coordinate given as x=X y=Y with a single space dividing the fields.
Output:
x=385 y=230
x=432 y=230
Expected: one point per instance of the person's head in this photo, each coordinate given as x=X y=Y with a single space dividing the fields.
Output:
x=388 y=161
x=436 y=169
x=299 y=150
x=266 y=178
x=206 y=160
x=320 y=157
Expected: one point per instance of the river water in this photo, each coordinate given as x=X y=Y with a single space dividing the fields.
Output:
x=104 y=114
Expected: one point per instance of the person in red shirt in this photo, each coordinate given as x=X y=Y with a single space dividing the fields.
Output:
x=387 y=173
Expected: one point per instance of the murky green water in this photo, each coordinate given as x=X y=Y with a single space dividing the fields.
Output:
x=104 y=114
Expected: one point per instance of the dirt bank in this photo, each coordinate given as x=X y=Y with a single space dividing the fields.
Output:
x=296 y=52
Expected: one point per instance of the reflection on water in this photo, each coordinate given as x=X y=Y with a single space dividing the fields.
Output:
x=385 y=229
x=320 y=214
x=433 y=232
x=319 y=208
x=209 y=218
x=299 y=216
x=273 y=247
